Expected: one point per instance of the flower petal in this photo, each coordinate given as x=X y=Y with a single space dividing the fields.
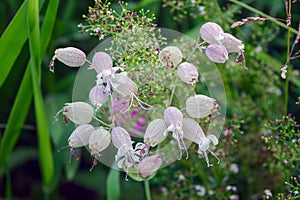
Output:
x=214 y=139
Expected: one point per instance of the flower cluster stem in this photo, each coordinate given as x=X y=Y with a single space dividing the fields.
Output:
x=147 y=189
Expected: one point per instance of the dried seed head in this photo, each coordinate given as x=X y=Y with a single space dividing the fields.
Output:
x=101 y=61
x=211 y=32
x=200 y=106
x=149 y=165
x=98 y=95
x=120 y=137
x=192 y=130
x=188 y=73
x=216 y=53
x=70 y=56
x=155 y=132
x=78 y=112
x=99 y=141
x=173 y=116
x=232 y=44
x=170 y=56
x=80 y=136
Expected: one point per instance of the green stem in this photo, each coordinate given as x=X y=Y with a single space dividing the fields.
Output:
x=286 y=92
x=173 y=91
x=147 y=190
x=283 y=25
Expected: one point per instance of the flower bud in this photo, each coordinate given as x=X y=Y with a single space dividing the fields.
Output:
x=149 y=165
x=99 y=141
x=170 y=56
x=216 y=53
x=200 y=106
x=98 y=96
x=211 y=32
x=70 y=56
x=101 y=61
x=188 y=73
x=78 y=112
x=120 y=137
x=155 y=132
x=173 y=115
x=232 y=44
x=80 y=136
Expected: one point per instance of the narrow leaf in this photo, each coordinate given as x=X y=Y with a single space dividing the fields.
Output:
x=113 y=184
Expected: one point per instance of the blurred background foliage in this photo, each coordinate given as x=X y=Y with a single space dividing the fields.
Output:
x=252 y=158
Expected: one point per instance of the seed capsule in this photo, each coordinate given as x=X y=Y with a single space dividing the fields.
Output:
x=188 y=73
x=80 y=136
x=149 y=165
x=216 y=53
x=70 y=56
x=155 y=132
x=170 y=56
x=78 y=112
x=211 y=32
x=200 y=106
x=120 y=137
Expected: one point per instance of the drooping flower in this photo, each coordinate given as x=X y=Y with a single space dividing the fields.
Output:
x=170 y=56
x=155 y=132
x=70 y=56
x=188 y=73
x=77 y=112
x=99 y=140
x=98 y=96
x=80 y=137
x=193 y=132
x=201 y=106
x=149 y=165
x=214 y=35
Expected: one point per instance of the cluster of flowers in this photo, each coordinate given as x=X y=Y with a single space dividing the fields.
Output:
x=114 y=82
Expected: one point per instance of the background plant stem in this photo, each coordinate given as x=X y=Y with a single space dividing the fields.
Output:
x=147 y=190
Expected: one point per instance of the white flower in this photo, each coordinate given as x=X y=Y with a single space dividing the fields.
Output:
x=188 y=73
x=234 y=197
x=234 y=168
x=268 y=193
x=200 y=190
x=170 y=56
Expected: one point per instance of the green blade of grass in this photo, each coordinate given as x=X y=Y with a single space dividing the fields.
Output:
x=23 y=99
x=44 y=144
x=12 y=41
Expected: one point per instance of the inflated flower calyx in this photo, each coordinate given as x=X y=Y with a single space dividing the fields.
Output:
x=77 y=112
x=232 y=44
x=201 y=106
x=170 y=56
x=99 y=140
x=120 y=137
x=193 y=132
x=155 y=132
x=80 y=136
x=211 y=33
x=188 y=73
x=149 y=165
x=216 y=53
x=98 y=96
x=101 y=61
x=70 y=56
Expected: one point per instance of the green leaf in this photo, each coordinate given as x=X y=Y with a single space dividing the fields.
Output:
x=113 y=184
x=45 y=150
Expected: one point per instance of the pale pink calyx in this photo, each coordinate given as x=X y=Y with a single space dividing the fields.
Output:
x=98 y=96
x=101 y=61
x=216 y=53
x=80 y=136
x=120 y=137
x=188 y=73
x=155 y=132
x=170 y=56
x=77 y=112
x=149 y=165
x=70 y=56
x=201 y=106
x=211 y=33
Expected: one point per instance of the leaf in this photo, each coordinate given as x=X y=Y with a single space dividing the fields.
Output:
x=113 y=184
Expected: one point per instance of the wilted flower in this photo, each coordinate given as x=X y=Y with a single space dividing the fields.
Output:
x=70 y=56
x=80 y=137
x=149 y=165
x=170 y=56
x=99 y=140
x=77 y=112
x=188 y=73
x=192 y=131
x=200 y=106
